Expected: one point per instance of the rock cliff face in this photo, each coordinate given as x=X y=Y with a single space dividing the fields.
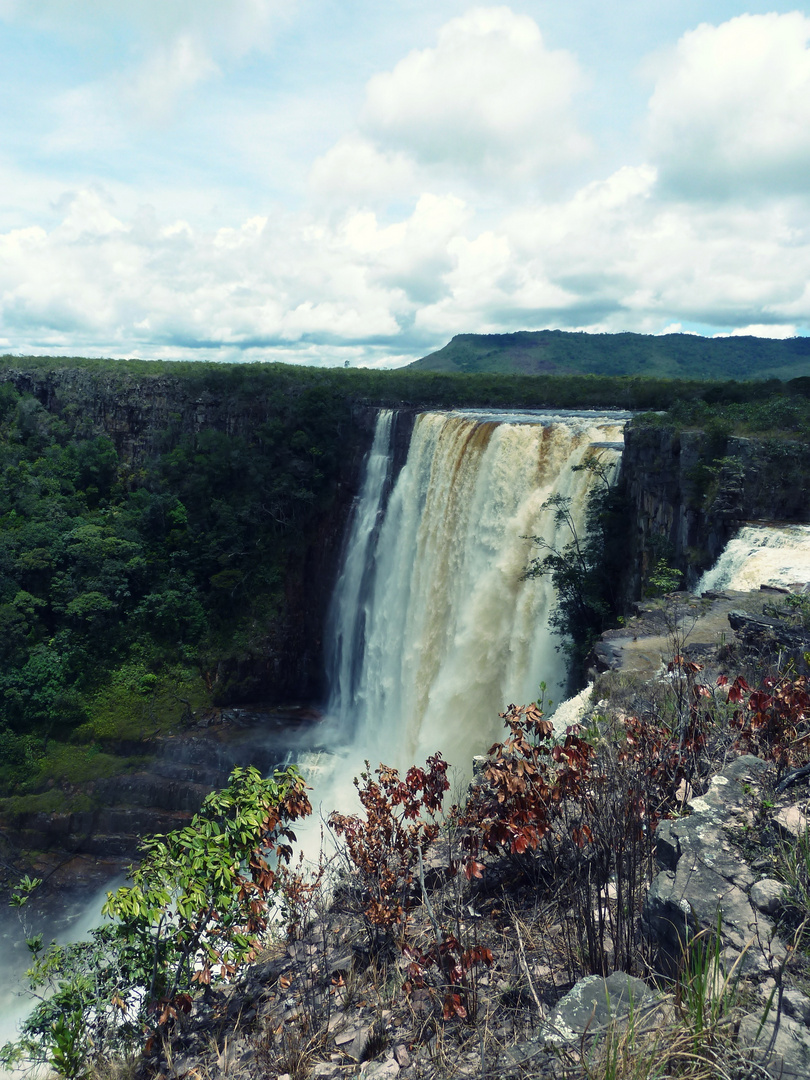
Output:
x=135 y=410
x=689 y=492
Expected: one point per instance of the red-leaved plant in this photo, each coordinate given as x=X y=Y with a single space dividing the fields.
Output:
x=773 y=720
x=402 y=817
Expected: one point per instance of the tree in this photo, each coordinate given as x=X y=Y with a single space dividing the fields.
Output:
x=586 y=569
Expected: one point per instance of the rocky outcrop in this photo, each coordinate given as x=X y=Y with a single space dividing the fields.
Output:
x=705 y=886
x=704 y=879
x=772 y=639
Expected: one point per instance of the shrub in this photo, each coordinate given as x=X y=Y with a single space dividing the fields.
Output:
x=384 y=846
x=772 y=720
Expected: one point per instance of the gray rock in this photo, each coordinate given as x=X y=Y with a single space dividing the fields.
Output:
x=402 y=1056
x=797 y=1005
x=360 y=1042
x=704 y=879
x=792 y=820
x=340 y=963
x=381 y=1070
x=780 y=1045
x=767 y=895
x=668 y=916
x=324 y=1070
x=593 y=1003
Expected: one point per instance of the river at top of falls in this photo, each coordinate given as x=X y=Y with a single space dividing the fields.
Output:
x=434 y=629
x=774 y=554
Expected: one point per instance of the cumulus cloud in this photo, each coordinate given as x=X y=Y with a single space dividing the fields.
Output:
x=720 y=265
x=489 y=97
x=730 y=112
x=355 y=171
x=611 y=257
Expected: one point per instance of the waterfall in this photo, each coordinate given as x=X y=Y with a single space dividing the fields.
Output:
x=761 y=555
x=434 y=628
x=346 y=620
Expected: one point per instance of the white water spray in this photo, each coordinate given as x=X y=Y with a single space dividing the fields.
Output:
x=761 y=555
x=435 y=628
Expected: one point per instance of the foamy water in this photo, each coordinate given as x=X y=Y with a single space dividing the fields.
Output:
x=777 y=555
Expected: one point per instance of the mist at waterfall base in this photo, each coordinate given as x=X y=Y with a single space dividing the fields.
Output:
x=434 y=629
x=773 y=554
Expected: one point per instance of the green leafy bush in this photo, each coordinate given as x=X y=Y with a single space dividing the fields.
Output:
x=199 y=902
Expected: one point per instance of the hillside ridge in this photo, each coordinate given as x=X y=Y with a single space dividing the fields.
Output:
x=545 y=352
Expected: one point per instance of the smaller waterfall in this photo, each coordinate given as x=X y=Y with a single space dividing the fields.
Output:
x=776 y=555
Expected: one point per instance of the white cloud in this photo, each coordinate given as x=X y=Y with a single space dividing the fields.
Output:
x=761 y=330
x=87 y=216
x=731 y=108
x=611 y=257
x=355 y=171
x=250 y=231
x=490 y=97
x=169 y=72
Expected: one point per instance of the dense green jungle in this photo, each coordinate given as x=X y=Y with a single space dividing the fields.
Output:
x=131 y=591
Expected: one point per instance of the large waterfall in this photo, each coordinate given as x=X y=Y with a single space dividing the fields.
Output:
x=434 y=628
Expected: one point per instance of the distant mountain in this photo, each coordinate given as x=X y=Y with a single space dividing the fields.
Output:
x=686 y=356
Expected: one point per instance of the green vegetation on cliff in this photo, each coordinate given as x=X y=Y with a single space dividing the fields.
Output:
x=774 y=412
x=288 y=386
x=130 y=594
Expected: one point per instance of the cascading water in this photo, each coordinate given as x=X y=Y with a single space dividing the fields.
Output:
x=761 y=555
x=344 y=638
x=434 y=628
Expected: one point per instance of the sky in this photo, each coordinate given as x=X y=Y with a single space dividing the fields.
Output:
x=349 y=181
